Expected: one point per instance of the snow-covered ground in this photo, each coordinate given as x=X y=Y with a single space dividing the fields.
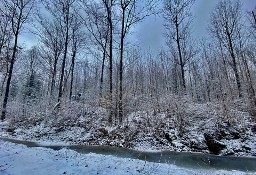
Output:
x=17 y=159
x=179 y=126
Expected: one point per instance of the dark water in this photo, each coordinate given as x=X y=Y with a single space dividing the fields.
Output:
x=184 y=159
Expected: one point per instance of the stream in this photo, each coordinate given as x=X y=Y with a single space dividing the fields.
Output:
x=184 y=159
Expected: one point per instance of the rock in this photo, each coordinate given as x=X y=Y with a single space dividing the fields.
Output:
x=214 y=146
x=103 y=131
x=253 y=129
x=235 y=134
x=169 y=137
x=10 y=130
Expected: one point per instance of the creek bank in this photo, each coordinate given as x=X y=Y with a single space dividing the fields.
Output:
x=183 y=159
x=184 y=127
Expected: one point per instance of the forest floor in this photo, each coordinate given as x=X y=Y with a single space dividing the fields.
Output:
x=222 y=129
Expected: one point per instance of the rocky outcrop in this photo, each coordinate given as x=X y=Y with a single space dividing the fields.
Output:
x=214 y=145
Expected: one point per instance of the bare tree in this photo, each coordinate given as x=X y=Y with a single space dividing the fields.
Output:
x=65 y=10
x=177 y=14
x=52 y=46
x=225 y=23
x=77 y=40
x=109 y=8
x=19 y=11
x=62 y=11
x=131 y=14
x=96 y=22
x=5 y=41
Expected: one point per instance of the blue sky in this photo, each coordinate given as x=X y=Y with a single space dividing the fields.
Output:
x=201 y=11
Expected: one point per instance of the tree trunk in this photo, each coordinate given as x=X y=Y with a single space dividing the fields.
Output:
x=251 y=91
x=254 y=17
x=110 y=22
x=5 y=76
x=54 y=74
x=238 y=82
x=102 y=70
x=250 y=84
x=8 y=83
x=72 y=73
x=120 y=103
x=64 y=57
x=183 y=83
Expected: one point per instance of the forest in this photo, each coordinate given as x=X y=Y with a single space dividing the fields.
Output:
x=129 y=73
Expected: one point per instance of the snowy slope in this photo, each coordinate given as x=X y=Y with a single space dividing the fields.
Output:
x=20 y=160
x=179 y=125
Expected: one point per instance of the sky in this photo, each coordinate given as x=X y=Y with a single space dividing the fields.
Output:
x=201 y=11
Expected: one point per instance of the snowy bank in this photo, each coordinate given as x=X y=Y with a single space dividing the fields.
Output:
x=17 y=159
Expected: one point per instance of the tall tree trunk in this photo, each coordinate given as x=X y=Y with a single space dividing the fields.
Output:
x=110 y=22
x=8 y=83
x=54 y=74
x=102 y=69
x=72 y=72
x=64 y=57
x=74 y=50
x=238 y=82
x=183 y=83
x=226 y=74
x=120 y=103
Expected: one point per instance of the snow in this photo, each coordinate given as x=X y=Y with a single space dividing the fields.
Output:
x=17 y=159
x=139 y=135
x=146 y=130
x=78 y=123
